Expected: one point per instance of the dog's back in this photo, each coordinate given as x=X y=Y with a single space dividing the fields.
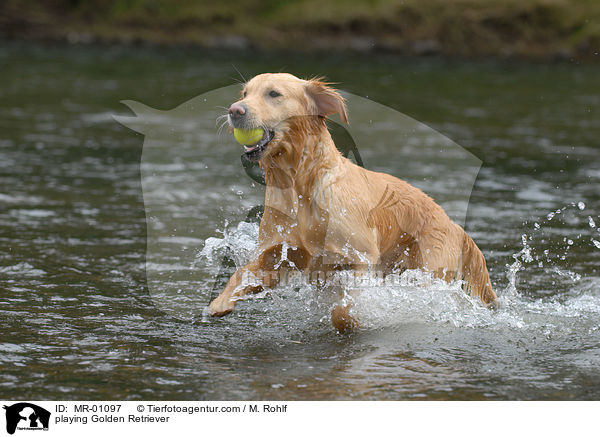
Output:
x=411 y=230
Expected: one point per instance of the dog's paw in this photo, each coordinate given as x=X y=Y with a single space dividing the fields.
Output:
x=343 y=321
x=220 y=307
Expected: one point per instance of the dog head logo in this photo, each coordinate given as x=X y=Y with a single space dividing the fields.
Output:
x=26 y=416
x=191 y=176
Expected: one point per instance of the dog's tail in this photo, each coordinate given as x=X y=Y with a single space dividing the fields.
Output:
x=475 y=272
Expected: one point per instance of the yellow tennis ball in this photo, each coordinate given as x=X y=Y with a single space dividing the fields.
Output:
x=248 y=137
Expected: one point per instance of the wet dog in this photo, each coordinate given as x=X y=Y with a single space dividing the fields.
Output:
x=323 y=212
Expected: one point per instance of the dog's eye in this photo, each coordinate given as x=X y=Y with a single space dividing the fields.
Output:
x=274 y=94
x=245 y=94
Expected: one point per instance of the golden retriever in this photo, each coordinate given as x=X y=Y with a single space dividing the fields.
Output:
x=323 y=212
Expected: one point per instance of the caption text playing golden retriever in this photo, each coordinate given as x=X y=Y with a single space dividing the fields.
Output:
x=326 y=213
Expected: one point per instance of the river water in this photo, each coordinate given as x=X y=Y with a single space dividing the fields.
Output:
x=112 y=245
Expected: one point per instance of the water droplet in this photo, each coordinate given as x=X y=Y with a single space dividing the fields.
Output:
x=591 y=222
x=581 y=205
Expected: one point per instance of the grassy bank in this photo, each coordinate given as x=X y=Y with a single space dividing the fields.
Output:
x=524 y=28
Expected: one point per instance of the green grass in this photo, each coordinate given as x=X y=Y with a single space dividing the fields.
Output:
x=528 y=28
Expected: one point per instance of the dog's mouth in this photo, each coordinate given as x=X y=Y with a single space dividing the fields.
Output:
x=254 y=152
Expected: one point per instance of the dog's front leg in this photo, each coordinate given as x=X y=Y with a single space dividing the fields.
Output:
x=266 y=271
x=236 y=288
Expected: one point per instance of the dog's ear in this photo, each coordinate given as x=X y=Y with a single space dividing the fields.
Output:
x=327 y=100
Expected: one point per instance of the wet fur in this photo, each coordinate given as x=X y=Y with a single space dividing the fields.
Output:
x=323 y=202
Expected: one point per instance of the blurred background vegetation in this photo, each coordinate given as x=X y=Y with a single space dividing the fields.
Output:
x=504 y=28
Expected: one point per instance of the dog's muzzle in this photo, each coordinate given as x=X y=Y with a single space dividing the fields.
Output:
x=254 y=152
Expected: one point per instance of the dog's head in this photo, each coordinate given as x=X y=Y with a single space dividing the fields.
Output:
x=280 y=103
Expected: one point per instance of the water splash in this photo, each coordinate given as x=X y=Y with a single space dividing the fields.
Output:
x=417 y=297
x=240 y=243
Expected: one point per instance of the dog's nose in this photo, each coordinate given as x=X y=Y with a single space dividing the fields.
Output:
x=237 y=110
